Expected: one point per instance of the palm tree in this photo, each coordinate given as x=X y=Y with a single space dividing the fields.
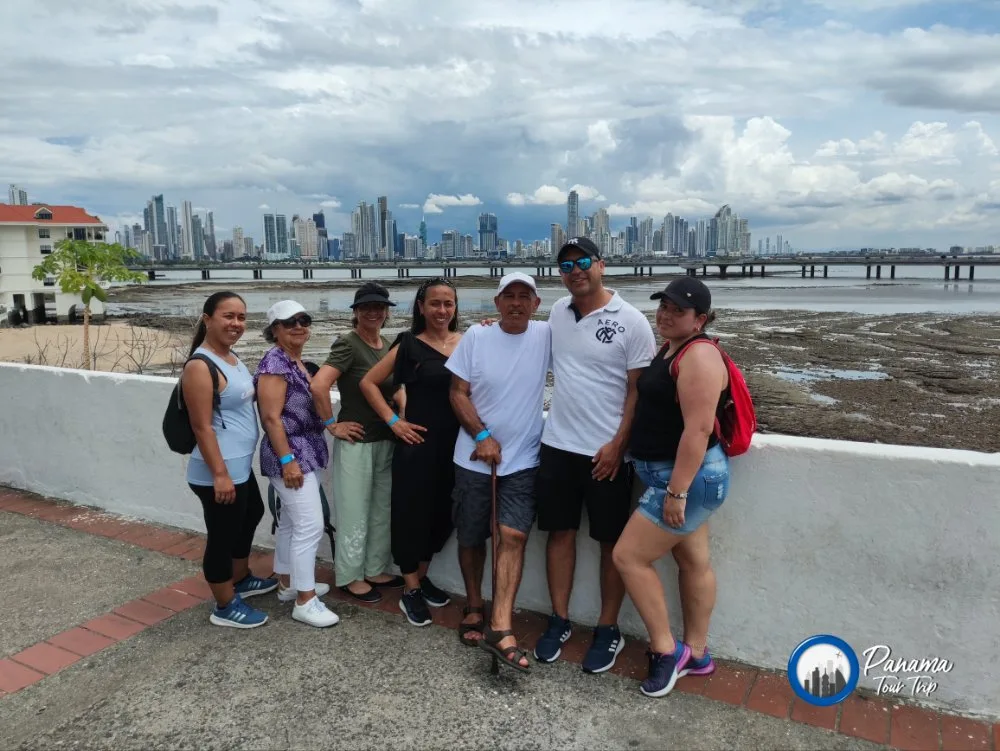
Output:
x=80 y=266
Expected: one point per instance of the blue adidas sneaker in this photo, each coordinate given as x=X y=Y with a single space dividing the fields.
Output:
x=549 y=645
x=251 y=586
x=237 y=614
x=604 y=649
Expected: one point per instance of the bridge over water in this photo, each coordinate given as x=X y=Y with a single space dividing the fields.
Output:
x=748 y=265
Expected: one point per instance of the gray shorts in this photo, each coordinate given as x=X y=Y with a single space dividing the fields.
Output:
x=472 y=498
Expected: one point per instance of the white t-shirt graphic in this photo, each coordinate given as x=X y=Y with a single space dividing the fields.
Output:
x=506 y=374
x=590 y=362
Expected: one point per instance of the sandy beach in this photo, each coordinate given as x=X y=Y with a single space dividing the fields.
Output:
x=120 y=346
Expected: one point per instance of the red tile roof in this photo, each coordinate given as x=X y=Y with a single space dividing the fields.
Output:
x=60 y=215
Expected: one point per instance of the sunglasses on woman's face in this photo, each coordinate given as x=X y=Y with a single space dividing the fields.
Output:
x=302 y=320
x=584 y=263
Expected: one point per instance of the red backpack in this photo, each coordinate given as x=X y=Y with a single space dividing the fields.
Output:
x=736 y=420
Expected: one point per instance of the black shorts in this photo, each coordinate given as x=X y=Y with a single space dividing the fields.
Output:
x=565 y=484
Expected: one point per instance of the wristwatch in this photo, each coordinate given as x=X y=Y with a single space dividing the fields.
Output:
x=682 y=496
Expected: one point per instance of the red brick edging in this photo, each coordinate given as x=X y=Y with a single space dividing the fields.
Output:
x=899 y=725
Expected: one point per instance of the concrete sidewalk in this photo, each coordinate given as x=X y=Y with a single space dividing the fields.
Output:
x=158 y=676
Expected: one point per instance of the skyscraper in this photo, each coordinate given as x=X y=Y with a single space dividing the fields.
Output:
x=270 y=236
x=281 y=234
x=423 y=234
x=17 y=196
x=488 y=234
x=384 y=243
x=572 y=214
x=187 y=231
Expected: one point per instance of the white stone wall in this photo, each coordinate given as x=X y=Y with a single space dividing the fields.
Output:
x=877 y=544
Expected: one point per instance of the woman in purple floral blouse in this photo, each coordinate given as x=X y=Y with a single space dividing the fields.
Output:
x=292 y=453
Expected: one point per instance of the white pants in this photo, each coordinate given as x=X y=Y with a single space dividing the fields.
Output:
x=300 y=529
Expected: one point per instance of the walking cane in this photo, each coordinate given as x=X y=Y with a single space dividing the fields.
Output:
x=495 y=529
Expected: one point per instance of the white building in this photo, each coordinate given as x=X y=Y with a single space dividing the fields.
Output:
x=27 y=235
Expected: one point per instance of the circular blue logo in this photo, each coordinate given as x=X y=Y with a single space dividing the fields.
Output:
x=823 y=670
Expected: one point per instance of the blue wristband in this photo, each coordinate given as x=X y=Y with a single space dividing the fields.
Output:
x=330 y=422
x=484 y=434
x=287 y=459
x=392 y=421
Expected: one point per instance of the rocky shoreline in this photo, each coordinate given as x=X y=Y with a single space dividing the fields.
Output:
x=920 y=380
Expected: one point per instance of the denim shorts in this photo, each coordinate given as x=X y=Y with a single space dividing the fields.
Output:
x=707 y=492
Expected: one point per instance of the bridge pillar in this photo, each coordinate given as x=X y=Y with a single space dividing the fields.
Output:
x=692 y=272
x=803 y=271
x=722 y=270
x=762 y=271
x=743 y=270
x=206 y=274
x=826 y=271
x=650 y=270
x=868 y=272
x=892 y=272
x=972 y=273
x=256 y=274
x=812 y=272
x=704 y=270
x=958 y=270
x=947 y=273
x=151 y=275
x=878 y=272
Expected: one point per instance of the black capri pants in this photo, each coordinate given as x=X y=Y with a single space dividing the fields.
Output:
x=230 y=526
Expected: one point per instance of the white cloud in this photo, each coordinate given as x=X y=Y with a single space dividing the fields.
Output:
x=330 y=203
x=550 y=195
x=264 y=207
x=436 y=204
x=409 y=205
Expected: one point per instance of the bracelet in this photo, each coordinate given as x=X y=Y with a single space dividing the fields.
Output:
x=681 y=496
x=392 y=421
x=484 y=434
x=287 y=459
x=330 y=422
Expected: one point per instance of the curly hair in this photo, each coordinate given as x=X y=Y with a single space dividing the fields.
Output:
x=419 y=324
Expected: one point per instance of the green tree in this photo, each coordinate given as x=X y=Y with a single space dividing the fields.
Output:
x=80 y=266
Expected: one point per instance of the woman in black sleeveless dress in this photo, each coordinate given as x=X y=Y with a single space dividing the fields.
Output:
x=423 y=469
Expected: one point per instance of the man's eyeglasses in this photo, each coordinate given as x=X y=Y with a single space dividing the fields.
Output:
x=583 y=263
x=302 y=320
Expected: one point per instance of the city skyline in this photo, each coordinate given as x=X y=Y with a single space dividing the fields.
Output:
x=838 y=124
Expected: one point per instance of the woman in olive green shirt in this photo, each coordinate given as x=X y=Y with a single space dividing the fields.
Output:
x=362 y=458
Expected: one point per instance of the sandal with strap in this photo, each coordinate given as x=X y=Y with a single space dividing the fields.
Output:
x=509 y=656
x=465 y=628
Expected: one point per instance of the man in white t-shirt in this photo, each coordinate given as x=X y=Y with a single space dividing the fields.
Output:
x=497 y=393
x=600 y=344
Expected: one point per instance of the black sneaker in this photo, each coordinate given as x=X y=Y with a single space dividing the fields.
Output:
x=413 y=606
x=436 y=598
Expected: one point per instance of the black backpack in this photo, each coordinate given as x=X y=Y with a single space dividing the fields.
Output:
x=176 y=422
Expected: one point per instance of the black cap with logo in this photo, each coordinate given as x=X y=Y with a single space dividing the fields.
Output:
x=687 y=292
x=584 y=244
x=371 y=292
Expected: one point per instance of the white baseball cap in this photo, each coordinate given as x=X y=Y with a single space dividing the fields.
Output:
x=283 y=310
x=516 y=277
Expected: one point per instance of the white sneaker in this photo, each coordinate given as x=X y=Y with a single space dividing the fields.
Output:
x=315 y=613
x=288 y=595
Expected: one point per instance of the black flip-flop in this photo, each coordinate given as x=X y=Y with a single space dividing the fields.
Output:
x=490 y=641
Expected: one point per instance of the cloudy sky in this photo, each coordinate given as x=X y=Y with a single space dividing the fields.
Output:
x=834 y=122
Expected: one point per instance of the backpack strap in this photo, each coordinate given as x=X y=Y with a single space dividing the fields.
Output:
x=674 y=366
x=213 y=370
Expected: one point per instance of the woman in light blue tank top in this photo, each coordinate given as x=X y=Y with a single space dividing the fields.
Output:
x=220 y=470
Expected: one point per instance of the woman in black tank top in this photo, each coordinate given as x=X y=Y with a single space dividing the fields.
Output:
x=686 y=473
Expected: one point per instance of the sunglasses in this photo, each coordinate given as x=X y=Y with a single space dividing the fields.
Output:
x=302 y=320
x=583 y=263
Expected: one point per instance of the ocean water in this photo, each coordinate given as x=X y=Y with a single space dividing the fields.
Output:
x=916 y=289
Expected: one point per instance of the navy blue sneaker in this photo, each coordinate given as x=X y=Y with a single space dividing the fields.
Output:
x=251 y=586
x=664 y=670
x=604 y=650
x=237 y=614
x=433 y=595
x=415 y=608
x=549 y=645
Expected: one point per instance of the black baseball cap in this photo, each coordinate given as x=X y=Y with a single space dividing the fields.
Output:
x=371 y=292
x=687 y=292
x=583 y=244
